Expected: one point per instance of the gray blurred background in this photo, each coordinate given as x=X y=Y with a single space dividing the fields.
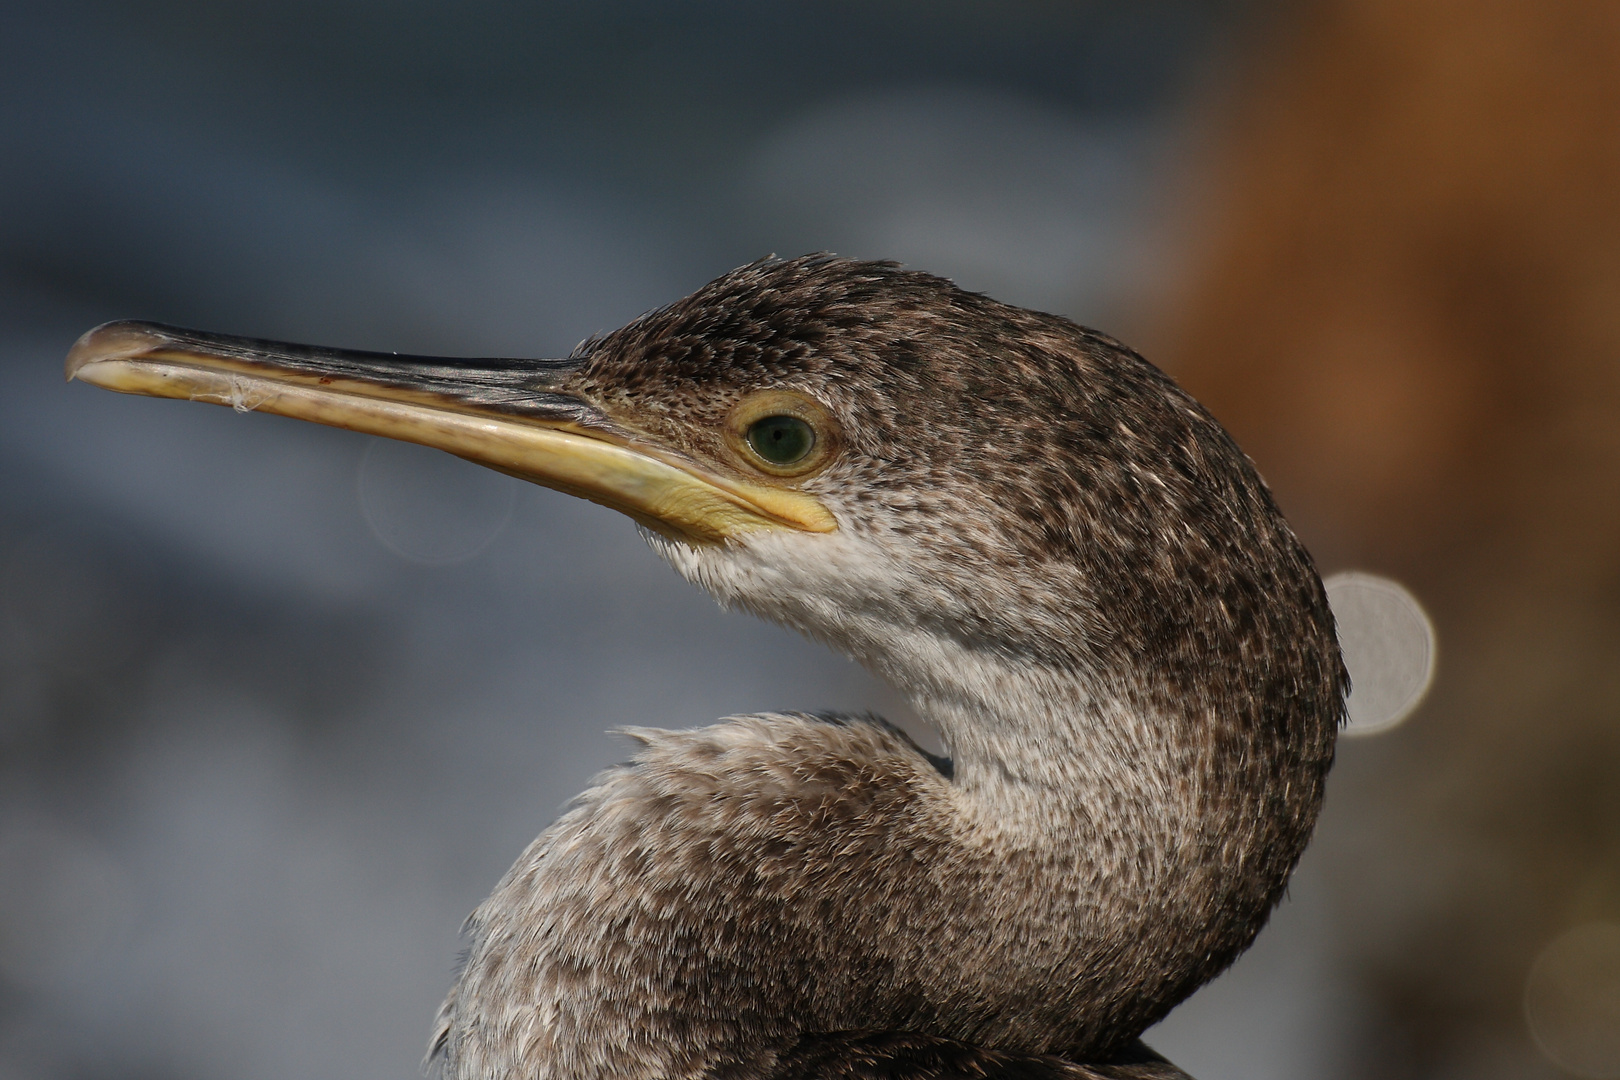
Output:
x=278 y=706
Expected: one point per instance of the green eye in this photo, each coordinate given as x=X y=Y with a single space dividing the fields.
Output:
x=781 y=440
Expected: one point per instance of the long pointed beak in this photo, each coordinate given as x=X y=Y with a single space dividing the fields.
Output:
x=506 y=414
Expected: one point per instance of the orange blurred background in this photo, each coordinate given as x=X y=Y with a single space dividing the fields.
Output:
x=1405 y=303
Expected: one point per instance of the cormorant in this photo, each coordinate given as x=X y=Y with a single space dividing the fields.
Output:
x=1061 y=559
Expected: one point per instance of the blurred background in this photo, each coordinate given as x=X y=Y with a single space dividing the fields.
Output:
x=279 y=705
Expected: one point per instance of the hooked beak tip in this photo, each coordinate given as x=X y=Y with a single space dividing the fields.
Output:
x=112 y=341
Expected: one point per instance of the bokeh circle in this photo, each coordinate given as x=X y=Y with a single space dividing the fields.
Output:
x=1572 y=1001
x=1389 y=647
x=431 y=507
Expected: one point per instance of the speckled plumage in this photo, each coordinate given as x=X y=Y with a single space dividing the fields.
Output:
x=1073 y=573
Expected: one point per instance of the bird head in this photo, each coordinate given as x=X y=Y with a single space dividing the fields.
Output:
x=991 y=507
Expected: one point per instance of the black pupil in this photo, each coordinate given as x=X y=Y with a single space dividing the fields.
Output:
x=781 y=440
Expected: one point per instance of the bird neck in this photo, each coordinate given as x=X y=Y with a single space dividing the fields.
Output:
x=1053 y=754
x=1046 y=745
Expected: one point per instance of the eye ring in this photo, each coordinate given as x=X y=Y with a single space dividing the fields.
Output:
x=782 y=433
